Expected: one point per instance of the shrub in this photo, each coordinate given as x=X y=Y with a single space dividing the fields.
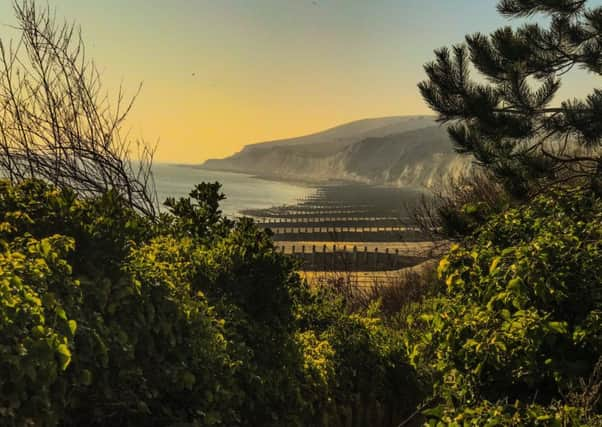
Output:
x=372 y=382
x=36 y=332
x=109 y=318
x=521 y=316
x=100 y=325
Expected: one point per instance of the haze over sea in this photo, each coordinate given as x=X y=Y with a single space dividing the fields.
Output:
x=242 y=191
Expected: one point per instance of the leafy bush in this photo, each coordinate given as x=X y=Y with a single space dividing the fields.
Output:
x=109 y=318
x=521 y=318
x=116 y=339
x=516 y=414
x=36 y=334
x=371 y=381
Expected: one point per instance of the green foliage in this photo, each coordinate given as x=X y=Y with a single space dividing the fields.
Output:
x=516 y=414
x=103 y=327
x=108 y=318
x=198 y=216
x=464 y=220
x=363 y=355
x=36 y=333
x=521 y=317
x=103 y=227
x=505 y=117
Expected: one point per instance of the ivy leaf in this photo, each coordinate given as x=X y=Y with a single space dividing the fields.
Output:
x=493 y=267
x=558 y=327
x=72 y=326
x=60 y=312
x=64 y=356
x=436 y=412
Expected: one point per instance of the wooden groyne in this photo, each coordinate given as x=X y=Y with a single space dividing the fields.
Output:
x=344 y=258
x=335 y=215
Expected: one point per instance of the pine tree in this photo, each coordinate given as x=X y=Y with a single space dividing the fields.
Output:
x=508 y=117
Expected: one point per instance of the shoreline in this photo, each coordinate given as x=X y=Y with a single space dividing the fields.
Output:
x=265 y=177
x=305 y=182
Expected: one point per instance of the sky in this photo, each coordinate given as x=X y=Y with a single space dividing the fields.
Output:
x=220 y=74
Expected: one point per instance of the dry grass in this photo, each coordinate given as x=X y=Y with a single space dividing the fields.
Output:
x=394 y=289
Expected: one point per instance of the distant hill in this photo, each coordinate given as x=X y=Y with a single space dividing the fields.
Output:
x=410 y=150
x=341 y=136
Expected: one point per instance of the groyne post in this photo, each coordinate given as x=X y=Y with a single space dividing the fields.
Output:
x=375 y=258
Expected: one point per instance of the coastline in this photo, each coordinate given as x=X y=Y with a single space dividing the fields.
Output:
x=304 y=182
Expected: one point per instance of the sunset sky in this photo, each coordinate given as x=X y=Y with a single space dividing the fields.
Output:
x=219 y=74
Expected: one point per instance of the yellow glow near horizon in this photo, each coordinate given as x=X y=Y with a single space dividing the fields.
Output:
x=219 y=125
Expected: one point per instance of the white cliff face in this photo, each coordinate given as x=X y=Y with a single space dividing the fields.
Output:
x=418 y=154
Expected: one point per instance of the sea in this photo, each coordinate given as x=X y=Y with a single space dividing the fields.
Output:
x=242 y=191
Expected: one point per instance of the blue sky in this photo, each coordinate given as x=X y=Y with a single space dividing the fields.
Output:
x=223 y=73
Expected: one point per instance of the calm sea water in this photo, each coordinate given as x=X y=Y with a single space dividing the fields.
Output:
x=242 y=191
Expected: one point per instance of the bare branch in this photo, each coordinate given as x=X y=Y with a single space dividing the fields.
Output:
x=56 y=121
